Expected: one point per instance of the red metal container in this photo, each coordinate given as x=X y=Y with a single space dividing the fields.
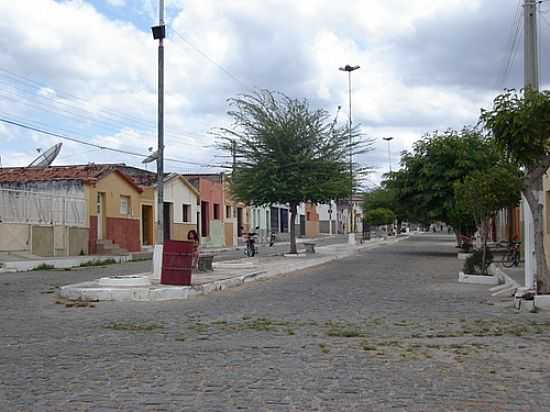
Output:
x=177 y=262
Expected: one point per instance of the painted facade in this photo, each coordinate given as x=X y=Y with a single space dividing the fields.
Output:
x=81 y=206
x=327 y=217
x=212 y=208
x=181 y=200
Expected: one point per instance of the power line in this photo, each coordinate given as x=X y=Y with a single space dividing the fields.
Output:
x=514 y=44
x=79 y=141
x=219 y=66
x=67 y=100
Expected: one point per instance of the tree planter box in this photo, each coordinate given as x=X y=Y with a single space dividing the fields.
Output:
x=463 y=255
x=478 y=279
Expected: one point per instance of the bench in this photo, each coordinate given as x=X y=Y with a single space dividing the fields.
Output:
x=310 y=247
x=205 y=263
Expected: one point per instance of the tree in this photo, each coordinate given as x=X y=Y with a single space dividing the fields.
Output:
x=288 y=153
x=483 y=193
x=380 y=216
x=424 y=185
x=520 y=124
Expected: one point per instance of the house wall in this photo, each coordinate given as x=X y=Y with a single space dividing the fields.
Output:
x=178 y=194
x=312 y=220
x=213 y=193
x=124 y=230
x=546 y=213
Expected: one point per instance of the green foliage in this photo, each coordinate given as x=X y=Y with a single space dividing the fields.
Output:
x=474 y=263
x=484 y=192
x=380 y=198
x=520 y=124
x=287 y=152
x=380 y=216
x=424 y=185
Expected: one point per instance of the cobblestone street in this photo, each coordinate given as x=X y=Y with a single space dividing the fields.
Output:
x=390 y=328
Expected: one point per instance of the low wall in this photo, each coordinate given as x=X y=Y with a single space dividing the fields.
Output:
x=43 y=240
x=312 y=229
x=14 y=237
x=228 y=234
x=217 y=235
x=324 y=226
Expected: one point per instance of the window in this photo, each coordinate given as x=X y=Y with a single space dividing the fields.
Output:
x=216 y=211
x=186 y=213
x=125 y=209
x=228 y=212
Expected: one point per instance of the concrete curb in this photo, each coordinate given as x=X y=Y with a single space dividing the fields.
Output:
x=88 y=291
x=61 y=263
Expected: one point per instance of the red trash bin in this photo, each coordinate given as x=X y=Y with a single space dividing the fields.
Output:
x=177 y=262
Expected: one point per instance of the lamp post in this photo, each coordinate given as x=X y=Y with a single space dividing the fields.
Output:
x=388 y=139
x=159 y=33
x=351 y=234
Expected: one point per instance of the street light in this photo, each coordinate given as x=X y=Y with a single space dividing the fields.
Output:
x=351 y=235
x=388 y=139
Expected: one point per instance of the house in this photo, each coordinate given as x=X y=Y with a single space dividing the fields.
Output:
x=71 y=210
x=181 y=207
x=327 y=217
x=211 y=225
x=237 y=218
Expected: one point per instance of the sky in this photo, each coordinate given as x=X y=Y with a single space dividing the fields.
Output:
x=87 y=69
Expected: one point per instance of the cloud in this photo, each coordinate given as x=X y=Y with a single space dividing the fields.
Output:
x=425 y=65
x=117 y=3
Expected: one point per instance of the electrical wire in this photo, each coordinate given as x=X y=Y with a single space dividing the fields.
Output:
x=212 y=61
x=80 y=141
x=514 y=45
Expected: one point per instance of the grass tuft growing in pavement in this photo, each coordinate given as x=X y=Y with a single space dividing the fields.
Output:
x=343 y=330
x=134 y=327
x=43 y=266
x=100 y=262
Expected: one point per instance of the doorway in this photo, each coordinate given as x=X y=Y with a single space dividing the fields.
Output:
x=100 y=209
x=146 y=225
x=205 y=217
x=302 y=225
x=239 y=221
x=167 y=220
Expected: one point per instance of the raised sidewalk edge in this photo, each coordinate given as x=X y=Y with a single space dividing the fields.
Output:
x=85 y=291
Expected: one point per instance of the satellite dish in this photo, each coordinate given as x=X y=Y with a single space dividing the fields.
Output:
x=151 y=158
x=45 y=159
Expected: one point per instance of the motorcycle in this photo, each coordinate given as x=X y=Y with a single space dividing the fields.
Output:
x=251 y=249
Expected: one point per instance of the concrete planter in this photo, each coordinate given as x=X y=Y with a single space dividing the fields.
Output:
x=478 y=279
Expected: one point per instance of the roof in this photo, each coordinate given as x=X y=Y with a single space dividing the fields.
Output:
x=184 y=180
x=89 y=173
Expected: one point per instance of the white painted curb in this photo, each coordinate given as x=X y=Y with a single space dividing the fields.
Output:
x=477 y=279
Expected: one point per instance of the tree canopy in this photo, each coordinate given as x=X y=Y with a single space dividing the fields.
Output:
x=520 y=125
x=288 y=152
x=380 y=216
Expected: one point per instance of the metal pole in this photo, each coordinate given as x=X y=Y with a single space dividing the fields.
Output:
x=531 y=79
x=160 y=160
x=350 y=158
x=389 y=154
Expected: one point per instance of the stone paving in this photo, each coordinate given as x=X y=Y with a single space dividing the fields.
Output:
x=389 y=329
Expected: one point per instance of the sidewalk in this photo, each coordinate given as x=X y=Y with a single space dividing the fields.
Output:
x=24 y=263
x=225 y=275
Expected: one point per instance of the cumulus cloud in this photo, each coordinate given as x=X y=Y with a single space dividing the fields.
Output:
x=425 y=65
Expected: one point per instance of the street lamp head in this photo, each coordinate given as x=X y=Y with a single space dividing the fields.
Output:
x=348 y=68
x=387 y=139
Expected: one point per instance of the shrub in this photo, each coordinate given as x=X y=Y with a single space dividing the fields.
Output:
x=474 y=263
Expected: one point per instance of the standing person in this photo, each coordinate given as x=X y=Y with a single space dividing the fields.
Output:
x=193 y=236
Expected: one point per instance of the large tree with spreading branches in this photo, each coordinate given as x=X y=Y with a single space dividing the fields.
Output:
x=287 y=152
x=520 y=124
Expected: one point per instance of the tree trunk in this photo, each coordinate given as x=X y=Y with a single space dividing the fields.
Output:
x=293 y=212
x=534 y=187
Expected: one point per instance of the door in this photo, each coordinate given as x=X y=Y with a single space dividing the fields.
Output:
x=302 y=225
x=167 y=220
x=146 y=225
x=205 y=217
x=100 y=214
x=239 y=221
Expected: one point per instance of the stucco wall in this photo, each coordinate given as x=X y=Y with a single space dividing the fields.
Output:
x=179 y=194
x=179 y=231
x=229 y=234
x=217 y=235
x=312 y=229
x=212 y=192
x=124 y=232
x=78 y=241
x=114 y=186
x=42 y=240
x=14 y=237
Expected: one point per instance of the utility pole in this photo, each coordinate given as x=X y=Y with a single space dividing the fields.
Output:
x=531 y=80
x=234 y=153
x=159 y=33
x=388 y=139
x=351 y=234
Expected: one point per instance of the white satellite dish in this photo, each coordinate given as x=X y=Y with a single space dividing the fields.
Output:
x=45 y=159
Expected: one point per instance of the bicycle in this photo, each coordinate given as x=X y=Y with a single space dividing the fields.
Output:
x=512 y=256
x=250 y=249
